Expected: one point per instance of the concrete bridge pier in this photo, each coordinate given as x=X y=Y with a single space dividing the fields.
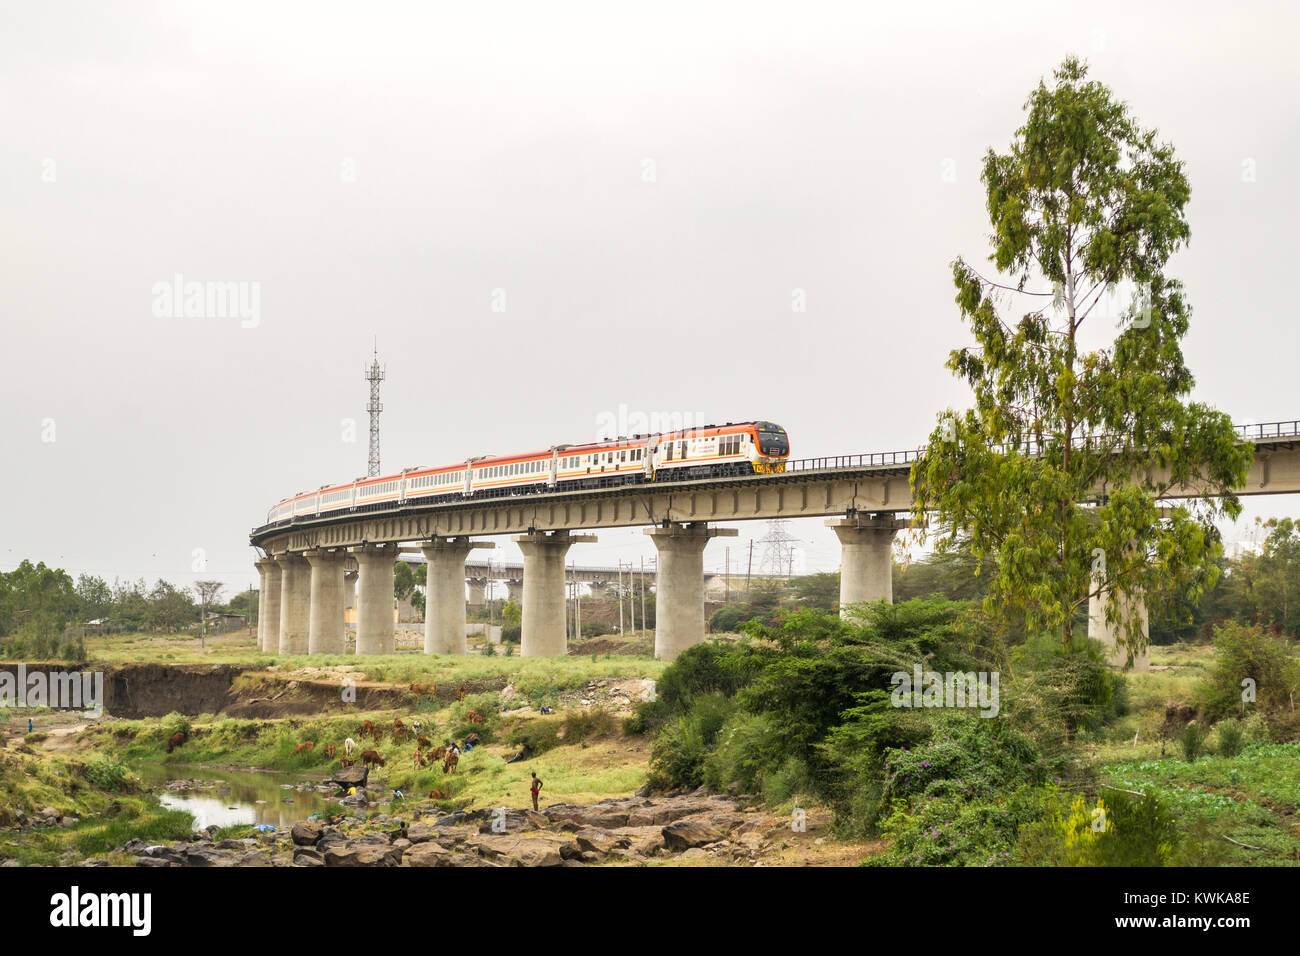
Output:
x=444 y=593
x=679 y=588
x=866 y=559
x=543 y=624
x=295 y=602
x=1099 y=629
x=477 y=592
x=515 y=592
x=349 y=591
x=325 y=621
x=268 y=606
x=375 y=563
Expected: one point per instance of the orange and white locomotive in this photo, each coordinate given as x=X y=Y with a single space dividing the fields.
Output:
x=733 y=449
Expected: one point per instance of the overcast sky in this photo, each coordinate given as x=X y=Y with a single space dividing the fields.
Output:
x=642 y=187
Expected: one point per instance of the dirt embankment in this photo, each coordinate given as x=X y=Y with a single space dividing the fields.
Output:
x=129 y=690
x=155 y=690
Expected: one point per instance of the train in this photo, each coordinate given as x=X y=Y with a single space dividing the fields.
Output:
x=733 y=449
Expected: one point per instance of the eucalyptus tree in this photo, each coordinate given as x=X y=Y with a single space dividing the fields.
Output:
x=1078 y=431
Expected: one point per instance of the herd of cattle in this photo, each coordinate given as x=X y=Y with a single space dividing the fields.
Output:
x=425 y=753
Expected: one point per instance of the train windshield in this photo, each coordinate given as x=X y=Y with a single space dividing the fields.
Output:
x=772 y=439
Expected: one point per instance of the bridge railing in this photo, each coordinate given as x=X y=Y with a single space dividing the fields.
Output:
x=1268 y=430
x=876 y=459
x=1249 y=432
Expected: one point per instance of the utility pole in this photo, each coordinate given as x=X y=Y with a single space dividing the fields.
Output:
x=726 y=577
x=643 y=625
x=750 y=568
x=621 y=633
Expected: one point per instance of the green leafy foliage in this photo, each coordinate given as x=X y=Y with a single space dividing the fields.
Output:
x=1050 y=474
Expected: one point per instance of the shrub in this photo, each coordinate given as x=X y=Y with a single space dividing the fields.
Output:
x=1248 y=652
x=584 y=724
x=511 y=634
x=536 y=736
x=105 y=773
x=677 y=758
x=1230 y=738
x=1121 y=829
x=1191 y=741
x=967 y=757
x=749 y=746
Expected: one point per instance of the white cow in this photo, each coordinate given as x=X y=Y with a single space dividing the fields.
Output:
x=349 y=745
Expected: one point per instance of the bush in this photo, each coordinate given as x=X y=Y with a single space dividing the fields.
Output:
x=584 y=724
x=511 y=634
x=954 y=831
x=1121 y=829
x=1230 y=738
x=749 y=746
x=728 y=618
x=536 y=736
x=677 y=758
x=1249 y=652
x=968 y=758
x=1191 y=741
x=106 y=774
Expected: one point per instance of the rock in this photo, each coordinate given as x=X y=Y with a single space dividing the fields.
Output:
x=691 y=832
x=203 y=856
x=591 y=840
x=421 y=833
x=151 y=861
x=518 y=850
x=350 y=777
x=694 y=853
x=427 y=853
x=359 y=853
x=305 y=857
x=68 y=821
x=306 y=832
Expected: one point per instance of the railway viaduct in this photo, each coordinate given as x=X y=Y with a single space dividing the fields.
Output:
x=865 y=499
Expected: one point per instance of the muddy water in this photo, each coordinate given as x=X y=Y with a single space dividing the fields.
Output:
x=235 y=796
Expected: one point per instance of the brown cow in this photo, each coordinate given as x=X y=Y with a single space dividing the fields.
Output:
x=449 y=765
x=307 y=745
x=437 y=794
x=423 y=742
x=461 y=691
x=421 y=688
x=345 y=762
x=176 y=740
x=397 y=723
x=437 y=753
x=329 y=750
x=399 y=733
x=369 y=757
x=377 y=733
x=367 y=727
x=474 y=717
x=418 y=758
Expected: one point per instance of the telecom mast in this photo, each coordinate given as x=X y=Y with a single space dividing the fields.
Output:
x=374 y=375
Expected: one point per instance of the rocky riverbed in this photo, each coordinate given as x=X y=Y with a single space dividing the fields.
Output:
x=699 y=826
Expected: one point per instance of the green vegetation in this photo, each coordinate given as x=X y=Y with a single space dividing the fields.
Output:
x=1083 y=204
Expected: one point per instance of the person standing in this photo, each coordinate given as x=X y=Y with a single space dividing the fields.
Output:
x=536 y=786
